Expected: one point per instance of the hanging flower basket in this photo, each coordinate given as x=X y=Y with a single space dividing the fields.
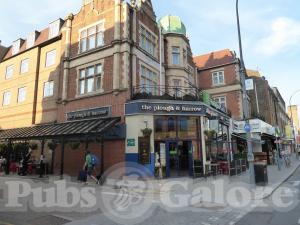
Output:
x=147 y=132
x=74 y=145
x=210 y=134
x=52 y=145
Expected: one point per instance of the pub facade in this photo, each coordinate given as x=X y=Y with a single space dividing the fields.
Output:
x=112 y=80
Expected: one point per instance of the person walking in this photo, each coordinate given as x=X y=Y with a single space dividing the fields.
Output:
x=89 y=167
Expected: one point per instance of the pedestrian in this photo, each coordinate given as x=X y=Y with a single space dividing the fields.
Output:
x=89 y=166
x=24 y=163
x=42 y=165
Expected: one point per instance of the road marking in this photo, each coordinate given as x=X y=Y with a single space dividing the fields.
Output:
x=299 y=221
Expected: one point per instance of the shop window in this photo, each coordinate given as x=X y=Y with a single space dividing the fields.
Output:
x=159 y=125
x=171 y=124
x=183 y=123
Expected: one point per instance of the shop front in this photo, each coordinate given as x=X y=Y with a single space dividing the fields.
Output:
x=177 y=141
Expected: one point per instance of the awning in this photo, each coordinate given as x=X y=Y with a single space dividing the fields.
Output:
x=60 y=130
x=244 y=137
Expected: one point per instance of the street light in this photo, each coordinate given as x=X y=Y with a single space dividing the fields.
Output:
x=245 y=100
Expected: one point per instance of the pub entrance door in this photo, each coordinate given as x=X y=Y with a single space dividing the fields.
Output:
x=179 y=158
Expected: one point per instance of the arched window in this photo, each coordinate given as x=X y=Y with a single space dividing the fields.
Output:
x=159 y=124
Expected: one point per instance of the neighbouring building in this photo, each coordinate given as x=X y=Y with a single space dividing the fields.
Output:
x=219 y=75
x=113 y=80
x=294 y=116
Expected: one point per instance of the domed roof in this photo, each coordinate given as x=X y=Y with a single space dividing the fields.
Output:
x=172 y=24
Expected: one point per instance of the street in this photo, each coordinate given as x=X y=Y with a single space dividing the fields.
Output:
x=203 y=215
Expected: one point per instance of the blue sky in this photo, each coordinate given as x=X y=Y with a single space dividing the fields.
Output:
x=270 y=30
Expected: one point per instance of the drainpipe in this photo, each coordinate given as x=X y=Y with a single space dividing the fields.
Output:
x=131 y=46
x=36 y=85
x=66 y=63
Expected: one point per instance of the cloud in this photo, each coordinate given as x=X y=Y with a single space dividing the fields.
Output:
x=283 y=36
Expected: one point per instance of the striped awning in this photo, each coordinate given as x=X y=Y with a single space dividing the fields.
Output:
x=60 y=130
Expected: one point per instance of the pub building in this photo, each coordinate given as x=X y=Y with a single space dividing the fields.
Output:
x=113 y=80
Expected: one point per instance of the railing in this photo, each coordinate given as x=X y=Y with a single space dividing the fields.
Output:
x=172 y=93
x=167 y=93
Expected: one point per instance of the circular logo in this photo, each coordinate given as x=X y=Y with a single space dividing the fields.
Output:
x=130 y=198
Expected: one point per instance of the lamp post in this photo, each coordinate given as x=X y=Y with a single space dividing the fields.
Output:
x=250 y=156
x=292 y=121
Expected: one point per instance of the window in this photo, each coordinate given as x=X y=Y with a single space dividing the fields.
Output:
x=50 y=58
x=54 y=29
x=221 y=101
x=24 y=66
x=21 y=94
x=218 y=78
x=9 y=72
x=6 y=98
x=91 y=37
x=148 y=80
x=177 y=88
x=16 y=47
x=147 y=40
x=30 y=39
x=175 y=56
x=90 y=79
x=171 y=124
x=48 y=89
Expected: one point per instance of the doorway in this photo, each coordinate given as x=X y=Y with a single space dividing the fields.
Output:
x=178 y=158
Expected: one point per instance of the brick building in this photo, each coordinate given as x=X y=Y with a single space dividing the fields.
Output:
x=271 y=108
x=218 y=74
x=113 y=80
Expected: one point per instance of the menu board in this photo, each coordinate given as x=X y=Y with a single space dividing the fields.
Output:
x=144 y=150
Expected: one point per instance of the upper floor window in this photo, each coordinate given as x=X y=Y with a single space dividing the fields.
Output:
x=221 y=100
x=218 y=78
x=48 y=89
x=50 y=58
x=16 y=47
x=9 y=72
x=21 y=94
x=176 y=56
x=31 y=39
x=149 y=80
x=54 y=28
x=91 y=37
x=6 y=98
x=147 y=40
x=24 y=66
x=90 y=79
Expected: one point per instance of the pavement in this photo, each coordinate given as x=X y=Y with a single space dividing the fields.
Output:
x=172 y=201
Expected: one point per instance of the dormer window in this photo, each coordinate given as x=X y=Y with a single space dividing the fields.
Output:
x=31 y=37
x=16 y=46
x=86 y=2
x=54 y=28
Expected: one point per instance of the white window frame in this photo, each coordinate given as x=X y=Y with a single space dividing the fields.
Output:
x=148 y=80
x=54 y=28
x=176 y=55
x=48 y=89
x=6 y=98
x=85 y=36
x=220 y=78
x=50 y=61
x=24 y=66
x=221 y=100
x=21 y=94
x=84 y=79
x=148 y=40
x=9 y=72
x=16 y=47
